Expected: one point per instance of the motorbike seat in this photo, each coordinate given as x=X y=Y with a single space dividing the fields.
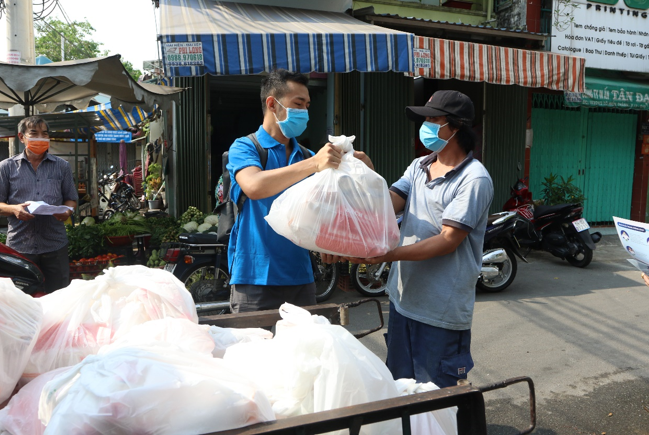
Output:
x=198 y=238
x=543 y=210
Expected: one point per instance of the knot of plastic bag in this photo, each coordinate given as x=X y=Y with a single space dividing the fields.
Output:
x=344 y=142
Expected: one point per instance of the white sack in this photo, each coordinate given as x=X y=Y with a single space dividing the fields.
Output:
x=155 y=390
x=311 y=366
x=440 y=422
x=87 y=315
x=20 y=322
x=20 y=416
x=226 y=337
x=345 y=211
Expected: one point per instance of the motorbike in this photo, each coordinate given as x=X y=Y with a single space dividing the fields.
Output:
x=499 y=264
x=498 y=269
x=121 y=197
x=201 y=263
x=23 y=272
x=558 y=229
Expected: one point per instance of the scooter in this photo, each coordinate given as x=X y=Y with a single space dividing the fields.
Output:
x=499 y=264
x=23 y=272
x=558 y=229
x=116 y=195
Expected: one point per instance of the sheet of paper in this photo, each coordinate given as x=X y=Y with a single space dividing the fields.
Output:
x=634 y=236
x=43 y=208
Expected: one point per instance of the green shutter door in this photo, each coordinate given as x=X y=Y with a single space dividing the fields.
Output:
x=556 y=147
x=594 y=146
x=608 y=180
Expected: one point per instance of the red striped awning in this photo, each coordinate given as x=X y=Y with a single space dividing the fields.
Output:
x=445 y=59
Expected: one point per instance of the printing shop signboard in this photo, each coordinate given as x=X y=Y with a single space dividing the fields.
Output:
x=609 y=34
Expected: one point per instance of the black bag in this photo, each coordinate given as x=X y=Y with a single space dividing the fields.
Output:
x=228 y=210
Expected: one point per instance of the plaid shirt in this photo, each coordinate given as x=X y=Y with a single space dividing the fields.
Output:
x=52 y=183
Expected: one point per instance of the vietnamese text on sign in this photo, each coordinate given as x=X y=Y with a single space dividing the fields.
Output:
x=184 y=54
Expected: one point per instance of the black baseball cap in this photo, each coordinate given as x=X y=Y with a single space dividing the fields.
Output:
x=443 y=103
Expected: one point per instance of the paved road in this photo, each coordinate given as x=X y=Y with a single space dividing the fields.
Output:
x=582 y=335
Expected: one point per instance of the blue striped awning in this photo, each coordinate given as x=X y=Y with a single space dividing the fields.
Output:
x=119 y=118
x=209 y=37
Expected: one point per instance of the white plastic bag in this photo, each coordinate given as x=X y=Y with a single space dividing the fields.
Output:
x=87 y=315
x=440 y=422
x=226 y=337
x=20 y=416
x=311 y=366
x=156 y=389
x=345 y=211
x=20 y=322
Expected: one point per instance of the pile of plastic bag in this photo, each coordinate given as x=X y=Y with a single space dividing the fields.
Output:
x=124 y=354
x=345 y=211
x=20 y=322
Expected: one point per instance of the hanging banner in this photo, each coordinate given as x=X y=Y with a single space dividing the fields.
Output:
x=113 y=136
x=602 y=92
x=183 y=53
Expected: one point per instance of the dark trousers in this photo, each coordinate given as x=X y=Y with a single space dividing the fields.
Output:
x=55 y=267
x=246 y=297
x=427 y=353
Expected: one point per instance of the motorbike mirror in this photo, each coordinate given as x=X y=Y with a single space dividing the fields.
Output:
x=519 y=166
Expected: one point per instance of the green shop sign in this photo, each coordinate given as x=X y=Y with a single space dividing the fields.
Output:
x=601 y=92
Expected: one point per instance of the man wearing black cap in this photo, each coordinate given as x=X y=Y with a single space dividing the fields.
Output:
x=445 y=197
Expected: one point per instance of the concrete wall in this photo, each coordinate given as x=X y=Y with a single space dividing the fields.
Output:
x=512 y=14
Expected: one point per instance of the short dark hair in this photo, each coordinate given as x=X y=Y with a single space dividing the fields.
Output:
x=275 y=84
x=31 y=121
x=465 y=135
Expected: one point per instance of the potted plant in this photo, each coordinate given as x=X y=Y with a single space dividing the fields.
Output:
x=153 y=183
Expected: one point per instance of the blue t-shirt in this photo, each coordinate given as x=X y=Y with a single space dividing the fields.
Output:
x=257 y=255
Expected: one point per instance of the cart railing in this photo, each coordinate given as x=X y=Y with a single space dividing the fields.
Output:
x=471 y=418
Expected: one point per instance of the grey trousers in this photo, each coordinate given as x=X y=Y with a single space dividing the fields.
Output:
x=246 y=297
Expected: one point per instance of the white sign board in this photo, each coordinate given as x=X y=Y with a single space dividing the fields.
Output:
x=183 y=54
x=422 y=58
x=609 y=34
x=13 y=57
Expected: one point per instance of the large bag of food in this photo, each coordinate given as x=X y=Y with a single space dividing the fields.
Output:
x=345 y=211
x=83 y=317
x=20 y=416
x=311 y=366
x=227 y=337
x=158 y=388
x=20 y=322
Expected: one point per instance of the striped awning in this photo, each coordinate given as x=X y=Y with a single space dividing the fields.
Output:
x=118 y=118
x=209 y=37
x=445 y=59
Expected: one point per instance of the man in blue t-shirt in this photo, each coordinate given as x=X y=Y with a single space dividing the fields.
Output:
x=445 y=199
x=266 y=268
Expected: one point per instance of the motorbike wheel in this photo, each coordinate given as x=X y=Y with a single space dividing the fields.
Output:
x=208 y=285
x=504 y=279
x=108 y=214
x=364 y=281
x=326 y=278
x=134 y=203
x=583 y=257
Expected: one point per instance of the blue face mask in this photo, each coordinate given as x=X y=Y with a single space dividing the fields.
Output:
x=295 y=122
x=428 y=134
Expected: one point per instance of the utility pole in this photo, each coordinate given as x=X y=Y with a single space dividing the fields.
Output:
x=20 y=46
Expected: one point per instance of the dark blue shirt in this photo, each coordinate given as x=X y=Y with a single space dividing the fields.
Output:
x=52 y=183
x=257 y=255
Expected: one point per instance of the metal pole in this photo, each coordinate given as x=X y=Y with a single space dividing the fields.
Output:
x=62 y=48
x=20 y=48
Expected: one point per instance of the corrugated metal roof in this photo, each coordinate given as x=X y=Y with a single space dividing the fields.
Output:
x=516 y=33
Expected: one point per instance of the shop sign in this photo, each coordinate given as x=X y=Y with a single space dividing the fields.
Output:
x=13 y=57
x=609 y=34
x=113 y=136
x=422 y=58
x=610 y=93
x=183 y=54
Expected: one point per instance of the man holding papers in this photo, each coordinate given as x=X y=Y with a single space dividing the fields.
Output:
x=35 y=175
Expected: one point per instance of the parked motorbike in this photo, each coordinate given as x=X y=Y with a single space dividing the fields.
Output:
x=22 y=271
x=558 y=229
x=201 y=264
x=499 y=264
x=116 y=194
